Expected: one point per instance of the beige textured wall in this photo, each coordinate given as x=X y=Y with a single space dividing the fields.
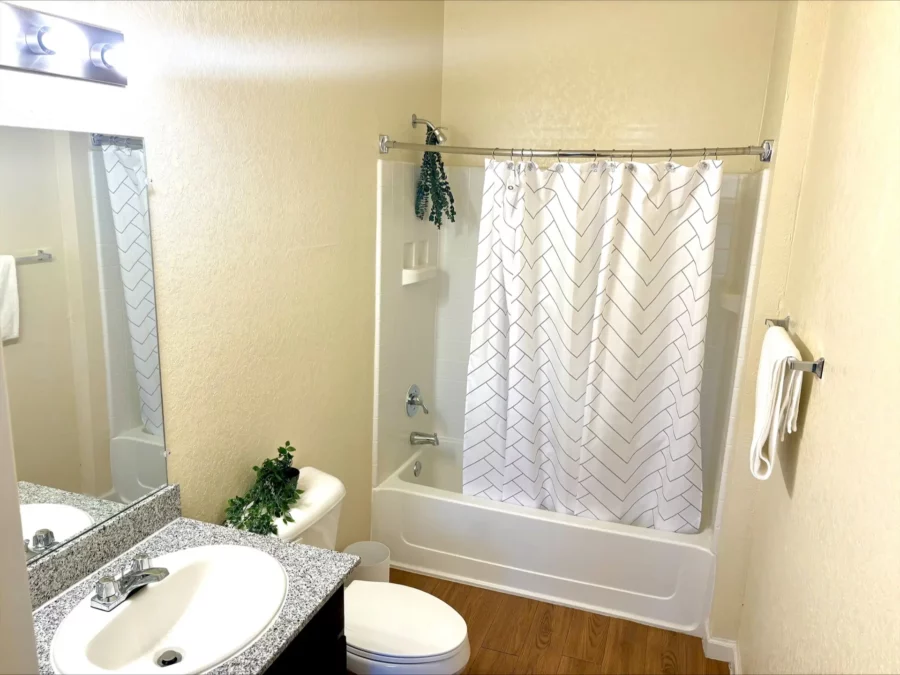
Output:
x=56 y=369
x=606 y=74
x=39 y=364
x=261 y=123
x=17 y=649
x=822 y=590
x=787 y=118
x=84 y=300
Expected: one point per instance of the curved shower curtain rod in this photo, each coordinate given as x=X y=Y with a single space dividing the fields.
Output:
x=385 y=145
x=764 y=151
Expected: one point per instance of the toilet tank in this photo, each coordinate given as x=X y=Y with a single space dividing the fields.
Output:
x=318 y=511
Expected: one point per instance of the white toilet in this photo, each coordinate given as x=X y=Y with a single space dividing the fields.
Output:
x=389 y=628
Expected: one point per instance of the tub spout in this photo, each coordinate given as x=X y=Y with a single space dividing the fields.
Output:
x=418 y=438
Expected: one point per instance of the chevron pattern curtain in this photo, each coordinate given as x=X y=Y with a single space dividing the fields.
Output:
x=591 y=298
x=126 y=177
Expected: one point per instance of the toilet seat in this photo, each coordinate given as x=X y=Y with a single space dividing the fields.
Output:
x=395 y=626
x=384 y=658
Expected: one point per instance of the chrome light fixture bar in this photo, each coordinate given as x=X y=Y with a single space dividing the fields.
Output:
x=54 y=45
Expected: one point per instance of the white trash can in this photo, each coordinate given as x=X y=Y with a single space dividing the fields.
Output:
x=374 y=561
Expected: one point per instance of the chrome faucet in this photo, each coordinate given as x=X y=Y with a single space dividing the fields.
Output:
x=418 y=438
x=110 y=592
x=414 y=401
x=43 y=540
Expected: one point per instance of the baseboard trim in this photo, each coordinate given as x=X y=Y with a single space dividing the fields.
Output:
x=721 y=649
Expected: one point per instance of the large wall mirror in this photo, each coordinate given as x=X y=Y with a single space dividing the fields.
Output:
x=78 y=328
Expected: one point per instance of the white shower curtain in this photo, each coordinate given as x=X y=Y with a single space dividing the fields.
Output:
x=126 y=177
x=591 y=298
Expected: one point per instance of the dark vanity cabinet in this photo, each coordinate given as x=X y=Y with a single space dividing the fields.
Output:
x=320 y=647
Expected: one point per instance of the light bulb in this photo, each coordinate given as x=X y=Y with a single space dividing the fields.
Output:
x=116 y=57
x=110 y=56
x=64 y=39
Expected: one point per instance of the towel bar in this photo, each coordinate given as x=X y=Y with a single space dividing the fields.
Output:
x=40 y=256
x=816 y=367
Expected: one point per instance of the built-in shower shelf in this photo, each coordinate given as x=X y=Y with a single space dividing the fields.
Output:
x=413 y=275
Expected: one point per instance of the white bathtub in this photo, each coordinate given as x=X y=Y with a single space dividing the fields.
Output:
x=658 y=578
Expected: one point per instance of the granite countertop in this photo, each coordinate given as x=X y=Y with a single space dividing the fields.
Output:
x=313 y=576
x=96 y=508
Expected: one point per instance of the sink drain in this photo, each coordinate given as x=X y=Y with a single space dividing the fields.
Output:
x=168 y=658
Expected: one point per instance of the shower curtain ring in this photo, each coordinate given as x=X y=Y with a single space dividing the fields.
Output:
x=716 y=154
x=494 y=154
x=511 y=151
x=558 y=160
x=670 y=154
x=704 y=153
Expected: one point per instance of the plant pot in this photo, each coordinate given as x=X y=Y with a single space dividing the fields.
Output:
x=291 y=474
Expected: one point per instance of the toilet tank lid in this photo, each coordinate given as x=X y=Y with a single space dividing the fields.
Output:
x=321 y=493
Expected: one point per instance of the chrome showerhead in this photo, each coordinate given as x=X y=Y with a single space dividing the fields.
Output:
x=439 y=135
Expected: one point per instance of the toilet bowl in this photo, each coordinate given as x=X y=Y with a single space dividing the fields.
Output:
x=389 y=628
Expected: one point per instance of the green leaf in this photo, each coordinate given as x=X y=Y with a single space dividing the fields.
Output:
x=433 y=184
x=270 y=497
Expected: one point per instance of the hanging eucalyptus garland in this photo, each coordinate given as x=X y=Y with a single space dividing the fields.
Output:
x=433 y=183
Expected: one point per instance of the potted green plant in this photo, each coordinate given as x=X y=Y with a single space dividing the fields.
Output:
x=270 y=497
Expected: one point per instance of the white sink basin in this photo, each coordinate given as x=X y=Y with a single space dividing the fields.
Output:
x=215 y=602
x=65 y=521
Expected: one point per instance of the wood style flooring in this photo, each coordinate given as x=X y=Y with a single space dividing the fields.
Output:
x=509 y=634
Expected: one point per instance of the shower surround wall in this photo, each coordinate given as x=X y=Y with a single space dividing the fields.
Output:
x=404 y=320
x=133 y=450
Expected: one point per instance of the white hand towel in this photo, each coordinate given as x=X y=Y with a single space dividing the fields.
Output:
x=9 y=299
x=777 y=399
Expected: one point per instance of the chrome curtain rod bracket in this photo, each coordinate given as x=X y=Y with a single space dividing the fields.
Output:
x=764 y=151
x=816 y=367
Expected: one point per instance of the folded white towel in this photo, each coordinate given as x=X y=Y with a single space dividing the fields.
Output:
x=9 y=299
x=777 y=400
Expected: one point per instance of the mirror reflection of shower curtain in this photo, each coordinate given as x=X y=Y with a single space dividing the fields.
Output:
x=592 y=291
x=126 y=176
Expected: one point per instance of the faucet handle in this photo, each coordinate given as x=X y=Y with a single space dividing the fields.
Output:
x=414 y=401
x=106 y=589
x=141 y=562
x=43 y=539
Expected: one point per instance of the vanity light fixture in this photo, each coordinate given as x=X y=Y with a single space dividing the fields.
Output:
x=54 y=45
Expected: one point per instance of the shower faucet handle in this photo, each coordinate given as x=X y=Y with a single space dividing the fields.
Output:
x=414 y=401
